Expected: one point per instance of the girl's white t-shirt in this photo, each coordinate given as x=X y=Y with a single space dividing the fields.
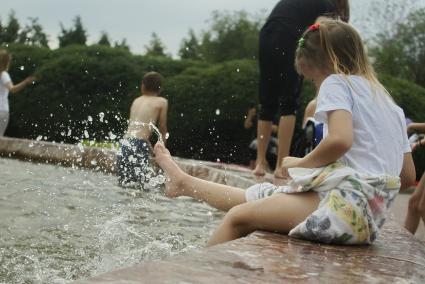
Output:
x=379 y=125
x=4 y=91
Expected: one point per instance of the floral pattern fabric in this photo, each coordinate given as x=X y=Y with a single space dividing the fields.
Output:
x=352 y=209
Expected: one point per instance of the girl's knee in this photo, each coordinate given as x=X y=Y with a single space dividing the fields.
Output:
x=414 y=203
x=239 y=217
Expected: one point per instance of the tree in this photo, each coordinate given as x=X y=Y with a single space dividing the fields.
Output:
x=104 y=39
x=231 y=36
x=155 y=47
x=123 y=44
x=402 y=54
x=9 y=33
x=73 y=35
x=384 y=17
x=190 y=48
x=33 y=34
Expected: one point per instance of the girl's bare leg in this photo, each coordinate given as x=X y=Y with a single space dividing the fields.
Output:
x=421 y=205
x=179 y=183
x=278 y=213
x=416 y=208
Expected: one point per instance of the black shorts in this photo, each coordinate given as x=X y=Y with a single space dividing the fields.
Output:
x=280 y=84
x=133 y=162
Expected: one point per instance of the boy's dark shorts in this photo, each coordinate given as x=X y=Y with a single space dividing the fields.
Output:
x=133 y=161
x=280 y=84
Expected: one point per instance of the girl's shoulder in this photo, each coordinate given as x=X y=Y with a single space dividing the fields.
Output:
x=5 y=77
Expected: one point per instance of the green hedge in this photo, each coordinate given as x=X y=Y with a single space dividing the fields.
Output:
x=207 y=102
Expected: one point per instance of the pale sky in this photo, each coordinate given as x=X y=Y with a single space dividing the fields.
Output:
x=135 y=20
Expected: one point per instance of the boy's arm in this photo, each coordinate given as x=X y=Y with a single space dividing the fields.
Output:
x=408 y=172
x=162 y=123
x=332 y=147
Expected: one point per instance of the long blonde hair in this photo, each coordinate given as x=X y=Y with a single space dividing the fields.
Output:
x=5 y=58
x=336 y=48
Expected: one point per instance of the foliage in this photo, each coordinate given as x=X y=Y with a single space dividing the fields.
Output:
x=230 y=36
x=79 y=88
x=33 y=34
x=207 y=108
x=122 y=44
x=74 y=35
x=403 y=54
x=190 y=48
x=155 y=47
x=104 y=39
x=10 y=32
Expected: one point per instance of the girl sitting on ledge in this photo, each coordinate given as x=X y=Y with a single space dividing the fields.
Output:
x=341 y=191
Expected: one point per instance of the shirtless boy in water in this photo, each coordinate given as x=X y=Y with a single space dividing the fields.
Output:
x=147 y=109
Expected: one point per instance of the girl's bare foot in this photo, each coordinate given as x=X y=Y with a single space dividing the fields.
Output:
x=174 y=184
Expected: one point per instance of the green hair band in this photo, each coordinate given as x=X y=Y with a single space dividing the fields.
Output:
x=301 y=42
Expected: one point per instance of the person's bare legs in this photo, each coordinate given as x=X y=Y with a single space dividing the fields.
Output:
x=285 y=133
x=416 y=208
x=264 y=131
x=278 y=213
x=179 y=183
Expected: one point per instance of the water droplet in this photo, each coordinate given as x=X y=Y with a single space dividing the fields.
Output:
x=112 y=136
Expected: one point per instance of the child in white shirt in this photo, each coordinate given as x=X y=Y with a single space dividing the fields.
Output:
x=6 y=86
x=346 y=184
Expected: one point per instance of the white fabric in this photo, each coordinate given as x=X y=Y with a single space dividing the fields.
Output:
x=379 y=127
x=4 y=120
x=4 y=91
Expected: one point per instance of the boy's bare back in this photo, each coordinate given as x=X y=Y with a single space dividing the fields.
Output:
x=146 y=109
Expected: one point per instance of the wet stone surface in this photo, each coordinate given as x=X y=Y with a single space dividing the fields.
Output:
x=396 y=257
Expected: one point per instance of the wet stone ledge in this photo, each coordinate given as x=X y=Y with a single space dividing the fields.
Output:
x=104 y=160
x=396 y=257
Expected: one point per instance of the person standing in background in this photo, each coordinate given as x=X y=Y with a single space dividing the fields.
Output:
x=6 y=86
x=280 y=84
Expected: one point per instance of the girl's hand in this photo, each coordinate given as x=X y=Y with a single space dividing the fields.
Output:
x=29 y=80
x=291 y=162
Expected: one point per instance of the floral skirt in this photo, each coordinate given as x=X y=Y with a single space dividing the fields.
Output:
x=352 y=209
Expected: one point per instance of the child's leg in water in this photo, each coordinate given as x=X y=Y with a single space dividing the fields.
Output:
x=179 y=183
x=277 y=213
x=416 y=208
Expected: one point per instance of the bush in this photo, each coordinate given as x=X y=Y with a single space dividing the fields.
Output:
x=207 y=109
x=86 y=93
x=82 y=92
x=77 y=83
